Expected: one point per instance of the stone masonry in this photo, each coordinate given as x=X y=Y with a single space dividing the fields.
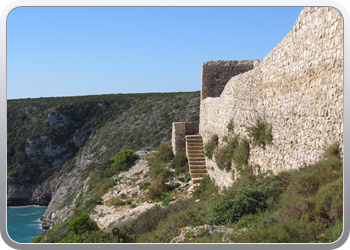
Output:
x=179 y=130
x=298 y=86
x=216 y=74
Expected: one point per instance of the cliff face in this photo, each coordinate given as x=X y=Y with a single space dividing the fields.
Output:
x=298 y=86
x=54 y=143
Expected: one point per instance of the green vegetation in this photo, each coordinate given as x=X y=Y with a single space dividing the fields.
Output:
x=82 y=224
x=120 y=162
x=158 y=172
x=180 y=164
x=123 y=158
x=234 y=149
x=162 y=154
x=302 y=205
x=78 y=226
x=260 y=131
x=295 y=206
x=210 y=146
x=117 y=121
x=236 y=203
x=114 y=202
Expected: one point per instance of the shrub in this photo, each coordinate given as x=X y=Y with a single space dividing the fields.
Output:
x=156 y=189
x=245 y=200
x=148 y=221
x=236 y=150
x=124 y=158
x=260 y=131
x=332 y=151
x=210 y=146
x=327 y=204
x=82 y=224
x=98 y=237
x=144 y=185
x=37 y=239
x=206 y=186
x=162 y=154
x=179 y=163
x=160 y=173
x=187 y=177
x=104 y=187
x=114 y=202
x=174 y=186
x=128 y=202
x=179 y=160
x=162 y=197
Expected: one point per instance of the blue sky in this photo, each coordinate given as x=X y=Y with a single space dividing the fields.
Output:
x=70 y=51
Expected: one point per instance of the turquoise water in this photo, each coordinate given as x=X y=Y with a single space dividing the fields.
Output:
x=23 y=223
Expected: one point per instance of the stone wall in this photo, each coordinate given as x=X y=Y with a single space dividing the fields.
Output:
x=298 y=86
x=179 y=130
x=215 y=75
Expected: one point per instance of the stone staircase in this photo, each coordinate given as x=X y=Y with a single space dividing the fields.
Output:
x=195 y=156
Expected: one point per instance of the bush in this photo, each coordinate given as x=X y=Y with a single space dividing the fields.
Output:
x=128 y=202
x=162 y=154
x=114 y=202
x=174 y=186
x=82 y=224
x=160 y=173
x=156 y=189
x=236 y=150
x=204 y=184
x=187 y=177
x=144 y=185
x=260 y=131
x=124 y=158
x=210 y=146
x=148 y=221
x=179 y=163
x=97 y=237
x=245 y=200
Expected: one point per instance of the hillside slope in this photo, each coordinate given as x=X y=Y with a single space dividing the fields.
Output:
x=53 y=143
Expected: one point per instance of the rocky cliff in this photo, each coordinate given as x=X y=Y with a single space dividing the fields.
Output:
x=54 y=143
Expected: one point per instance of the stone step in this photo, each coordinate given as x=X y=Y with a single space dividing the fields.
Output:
x=195 y=148
x=196 y=159
x=194 y=145
x=199 y=170
x=190 y=162
x=194 y=139
x=199 y=139
x=195 y=155
x=193 y=136
x=195 y=151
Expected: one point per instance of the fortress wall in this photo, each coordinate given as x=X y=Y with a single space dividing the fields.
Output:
x=215 y=75
x=299 y=88
x=179 y=130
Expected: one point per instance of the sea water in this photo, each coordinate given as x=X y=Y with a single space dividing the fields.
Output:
x=23 y=222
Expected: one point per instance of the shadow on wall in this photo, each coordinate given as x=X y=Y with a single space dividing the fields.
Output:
x=179 y=130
